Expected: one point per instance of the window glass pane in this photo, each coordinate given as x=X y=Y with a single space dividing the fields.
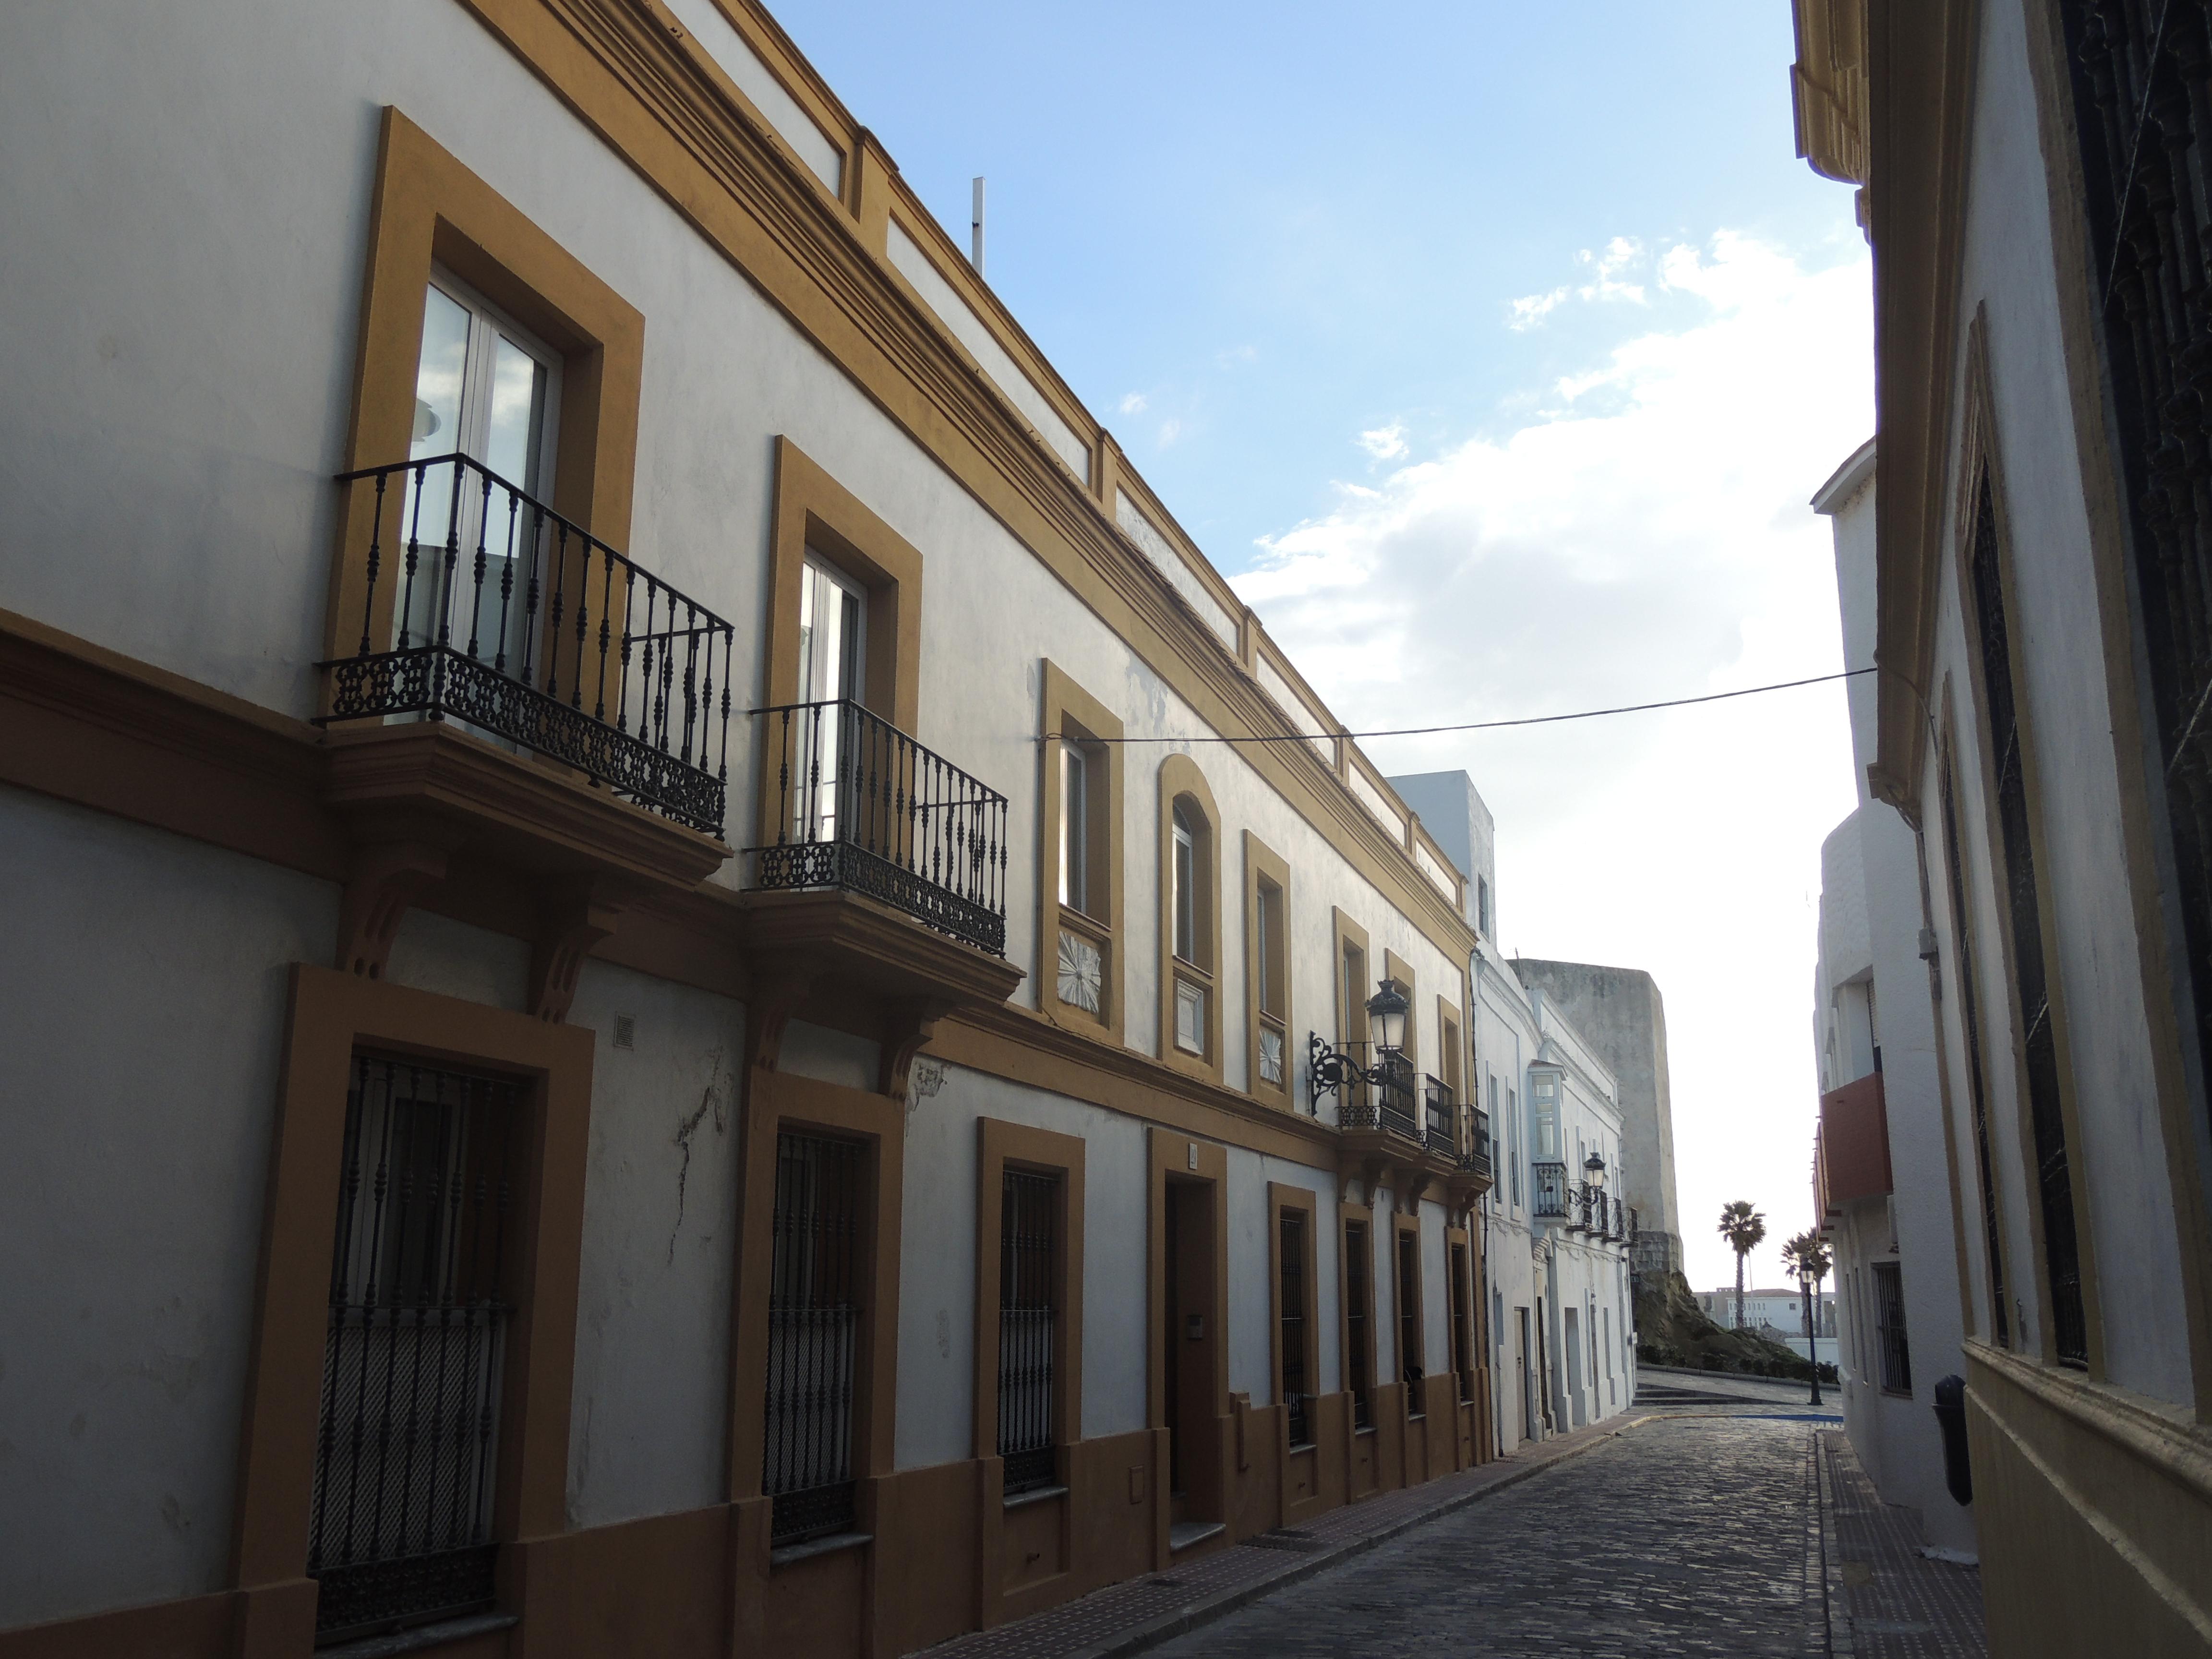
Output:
x=438 y=376
x=1186 y=910
x=516 y=436
x=1074 y=823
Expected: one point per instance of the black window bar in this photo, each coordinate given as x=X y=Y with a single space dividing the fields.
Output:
x=1029 y=1289
x=1358 y=1280
x=1410 y=1368
x=1290 y=1317
x=1440 y=1119
x=813 y=1335
x=499 y=612
x=1475 y=1157
x=1384 y=1097
x=859 y=805
x=399 y=1529
x=1962 y=947
x=1889 y=1328
x=2038 y=1042
x=1551 y=1194
x=2141 y=120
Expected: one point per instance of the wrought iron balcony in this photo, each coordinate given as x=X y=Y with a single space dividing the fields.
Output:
x=484 y=605
x=1474 y=1157
x=855 y=803
x=1551 y=1191
x=1384 y=1097
x=1579 y=1220
x=1440 y=1109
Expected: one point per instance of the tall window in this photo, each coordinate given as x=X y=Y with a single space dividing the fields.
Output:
x=813 y=1332
x=1409 y=1319
x=832 y=631
x=1462 y=1317
x=1291 y=1316
x=2046 y=1116
x=1186 y=886
x=1190 y=877
x=1970 y=1016
x=1354 y=1028
x=400 y=1529
x=1358 y=1340
x=1513 y=1132
x=1074 y=826
x=1482 y=906
x=487 y=389
x=1270 y=972
x=1889 y=1328
x=1029 y=1283
x=1544 y=1110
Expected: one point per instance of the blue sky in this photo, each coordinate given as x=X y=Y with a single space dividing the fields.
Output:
x=1494 y=352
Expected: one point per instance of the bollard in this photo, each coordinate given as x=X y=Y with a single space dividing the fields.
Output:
x=1951 y=1419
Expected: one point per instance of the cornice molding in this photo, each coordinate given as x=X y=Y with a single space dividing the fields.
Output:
x=798 y=247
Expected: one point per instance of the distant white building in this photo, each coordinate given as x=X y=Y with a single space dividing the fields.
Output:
x=1780 y=1314
x=1558 y=1222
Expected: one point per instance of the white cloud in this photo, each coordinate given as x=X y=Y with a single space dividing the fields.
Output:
x=1650 y=542
x=1622 y=253
x=1169 y=431
x=1132 y=403
x=1384 y=443
x=1531 y=309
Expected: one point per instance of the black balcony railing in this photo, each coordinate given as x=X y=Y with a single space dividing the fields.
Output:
x=855 y=803
x=505 y=616
x=1385 y=1097
x=1581 y=1222
x=1551 y=1193
x=1440 y=1117
x=1474 y=1155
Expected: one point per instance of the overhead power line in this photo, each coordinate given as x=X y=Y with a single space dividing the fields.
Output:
x=1491 y=726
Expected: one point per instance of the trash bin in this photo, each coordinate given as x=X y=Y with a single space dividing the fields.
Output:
x=1951 y=1419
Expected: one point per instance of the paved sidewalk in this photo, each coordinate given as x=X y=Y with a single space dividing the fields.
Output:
x=1142 y=1613
x=1900 y=1605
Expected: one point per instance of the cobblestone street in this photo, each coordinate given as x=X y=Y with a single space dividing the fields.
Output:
x=1693 y=1535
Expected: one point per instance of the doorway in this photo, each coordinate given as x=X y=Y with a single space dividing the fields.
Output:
x=1573 y=1343
x=1520 y=1373
x=1190 y=1338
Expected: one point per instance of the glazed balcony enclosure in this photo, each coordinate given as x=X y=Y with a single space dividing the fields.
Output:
x=484 y=606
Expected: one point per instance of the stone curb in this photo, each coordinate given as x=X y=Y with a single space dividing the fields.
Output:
x=1167 y=1627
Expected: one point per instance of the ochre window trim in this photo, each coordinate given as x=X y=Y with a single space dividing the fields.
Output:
x=1349 y=1214
x=1181 y=780
x=1068 y=709
x=778 y=1101
x=1350 y=1018
x=1000 y=1144
x=1261 y=862
x=429 y=209
x=331 y=1015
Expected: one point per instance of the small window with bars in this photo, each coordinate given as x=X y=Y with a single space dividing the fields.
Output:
x=813 y=1336
x=400 y=1529
x=1029 y=1318
x=1409 y=1321
x=1889 y=1328
x=1358 y=1282
x=1291 y=1318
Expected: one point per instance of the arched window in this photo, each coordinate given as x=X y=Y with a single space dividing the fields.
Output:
x=1190 y=919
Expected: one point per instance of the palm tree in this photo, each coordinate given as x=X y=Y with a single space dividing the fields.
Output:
x=1806 y=1258
x=1744 y=1229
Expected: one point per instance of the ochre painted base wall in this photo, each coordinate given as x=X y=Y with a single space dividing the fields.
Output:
x=946 y=1555
x=2095 y=1516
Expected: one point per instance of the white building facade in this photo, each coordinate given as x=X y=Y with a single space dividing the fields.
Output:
x=643 y=1012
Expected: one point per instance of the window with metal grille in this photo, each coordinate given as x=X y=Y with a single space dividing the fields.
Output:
x=1029 y=1277
x=1409 y=1320
x=2054 y=1182
x=1970 y=1016
x=1462 y=1332
x=2141 y=121
x=1290 y=1317
x=399 y=1532
x=813 y=1333
x=1358 y=1278
x=1889 y=1328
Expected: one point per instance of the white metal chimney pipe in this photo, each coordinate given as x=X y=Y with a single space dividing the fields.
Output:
x=976 y=231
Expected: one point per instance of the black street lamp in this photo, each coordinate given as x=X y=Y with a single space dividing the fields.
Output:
x=1328 y=1070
